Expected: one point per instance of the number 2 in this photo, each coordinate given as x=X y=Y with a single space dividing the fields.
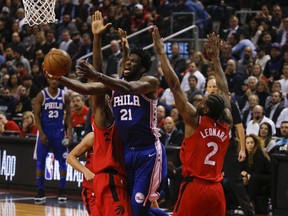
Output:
x=213 y=152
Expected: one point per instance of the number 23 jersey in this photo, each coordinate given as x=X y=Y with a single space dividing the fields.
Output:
x=202 y=154
x=52 y=111
x=136 y=119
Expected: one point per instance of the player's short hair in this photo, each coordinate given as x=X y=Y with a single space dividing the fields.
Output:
x=216 y=106
x=144 y=56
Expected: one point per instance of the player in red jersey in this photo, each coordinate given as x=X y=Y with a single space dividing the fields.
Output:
x=87 y=189
x=108 y=178
x=206 y=138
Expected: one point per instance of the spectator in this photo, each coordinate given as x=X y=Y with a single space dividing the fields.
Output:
x=50 y=41
x=113 y=61
x=253 y=100
x=284 y=80
x=276 y=106
x=86 y=46
x=24 y=102
x=264 y=13
x=7 y=102
x=282 y=117
x=283 y=31
x=9 y=125
x=251 y=89
x=272 y=69
x=244 y=64
x=234 y=79
x=276 y=86
x=255 y=169
x=15 y=86
x=66 y=25
x=233 y=28
x=167 y=99
x=201 y=62
x=257 y=72
x=20 y=71
x=266 y=27
x=29 y=126
x=262 y=58
x=80 y=111
x=262 y=90
x=265 y=132
x=283 y=141
x=37 y=77
x=139 y=20
x=65 y=41
x=178 y=62
x=276 y=16
x=192 y=81
x=193 y=70
x=75 y=47
x=253 y=30
x=178 y=121
x=258 y=117
x=161 y=114
x=32 y=89
x=239 y=44
x=226 y=54
x=171 y=136
x=19 y=58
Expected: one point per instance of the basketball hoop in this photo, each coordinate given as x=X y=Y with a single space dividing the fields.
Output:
x=39 y=11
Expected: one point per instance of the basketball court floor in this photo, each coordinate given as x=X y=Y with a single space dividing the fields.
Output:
x=21 y=203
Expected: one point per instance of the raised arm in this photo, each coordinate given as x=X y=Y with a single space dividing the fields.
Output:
x=187 y=110
x=213 y=50
x=125 y=49
x=91 y=88
x=102 y=112
x=145 y=85
x=98 y=28
x=79 y=150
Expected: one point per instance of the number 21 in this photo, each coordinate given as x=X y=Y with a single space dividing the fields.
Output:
x=126 y=114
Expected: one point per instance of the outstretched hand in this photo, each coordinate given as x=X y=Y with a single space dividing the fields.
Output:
x=97 y=25
x=85 y=69
x=213 y=46
x=158 y=41
x=124 y=41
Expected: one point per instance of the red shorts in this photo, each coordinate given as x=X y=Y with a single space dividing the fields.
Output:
x=110 y=191
x=199 y=198
x=89 y=201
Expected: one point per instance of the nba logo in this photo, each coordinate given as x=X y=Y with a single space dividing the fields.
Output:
x=49 y=166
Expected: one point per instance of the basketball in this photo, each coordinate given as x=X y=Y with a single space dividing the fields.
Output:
x=57 y=62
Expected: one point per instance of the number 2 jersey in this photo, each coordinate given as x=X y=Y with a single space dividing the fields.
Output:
x=136 y=119
x=52 y=112
x=202 y=154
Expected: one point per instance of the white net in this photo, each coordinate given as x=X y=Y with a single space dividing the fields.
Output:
x=39 y=11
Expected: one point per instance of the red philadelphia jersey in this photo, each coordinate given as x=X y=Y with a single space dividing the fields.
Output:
x=107 y=150
x=202 y=154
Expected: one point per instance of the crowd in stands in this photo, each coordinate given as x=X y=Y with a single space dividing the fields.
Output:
x=254 y=56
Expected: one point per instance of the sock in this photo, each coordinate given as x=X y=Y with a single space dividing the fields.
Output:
x=40 y=181
x=62 y=182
